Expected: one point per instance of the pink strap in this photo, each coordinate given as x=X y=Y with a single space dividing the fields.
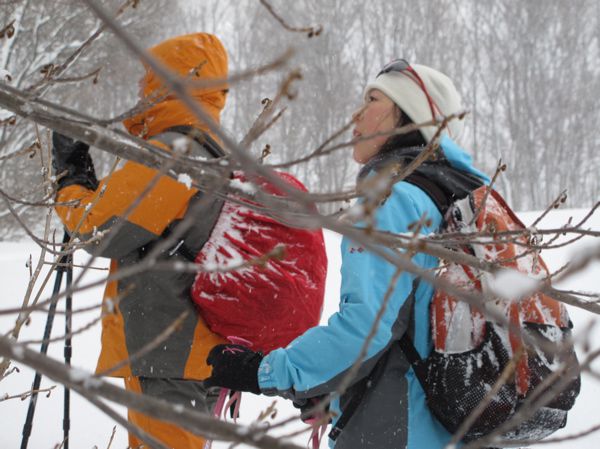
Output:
x=236 y=398
x=217 y=411
x=239 y=341
x=220 y=402
x=317 y=431
x=221 y=406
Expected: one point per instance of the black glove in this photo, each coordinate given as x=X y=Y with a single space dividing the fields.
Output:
x=72 y=157
x=306 y=407
x=234 y=367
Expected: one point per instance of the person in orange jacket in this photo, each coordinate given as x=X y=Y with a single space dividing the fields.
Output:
x=130 y=221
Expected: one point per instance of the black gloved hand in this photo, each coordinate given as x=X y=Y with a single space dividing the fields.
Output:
x=234 y=367
x=72 y=157
x=307 y=406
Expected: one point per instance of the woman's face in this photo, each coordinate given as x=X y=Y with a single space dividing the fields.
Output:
x=377 y=115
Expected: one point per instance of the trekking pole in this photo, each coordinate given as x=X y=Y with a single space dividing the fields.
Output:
x=68 y=350
x=62 y=263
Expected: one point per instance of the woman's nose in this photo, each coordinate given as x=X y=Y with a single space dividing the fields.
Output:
x=357 y=114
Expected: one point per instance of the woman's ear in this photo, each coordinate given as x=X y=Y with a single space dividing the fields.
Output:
x=399 y=117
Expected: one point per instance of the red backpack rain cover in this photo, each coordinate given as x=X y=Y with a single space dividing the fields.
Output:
x=266 y=304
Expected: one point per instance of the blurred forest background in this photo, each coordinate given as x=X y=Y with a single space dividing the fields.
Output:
x=529 y=72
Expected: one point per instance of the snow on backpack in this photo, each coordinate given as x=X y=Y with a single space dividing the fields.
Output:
x=266 y=304
x=471 y=352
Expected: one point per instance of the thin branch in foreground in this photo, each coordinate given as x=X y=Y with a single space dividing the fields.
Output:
x=311 y=31
x=4 y=375
x=159 y=96
x=8 y=30
x=112 y=437
x=11 y=120
x=73 y=79
x=29 y=150
x=62 y=337
x=92 y=387
x=39 y=88
x=265 y=120
x=252 y=167
x=488 y=189
x=580 y=262
x=504 y=378
x=573 y=436
x=561 y=199
x=352 y=372
x=131 y=428
x=41 y=203
x=26 y=394
x=41 y=307
x=542 y=395
x=320 y=150
x=154 y=343
x=23 y=317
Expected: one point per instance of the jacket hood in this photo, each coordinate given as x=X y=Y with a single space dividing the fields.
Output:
x=454 y=156
x=453 y=174
x=459 y=159
x=197 y=56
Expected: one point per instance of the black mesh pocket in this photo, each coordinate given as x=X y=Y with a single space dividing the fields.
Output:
x=455 y=384
x=544 y=422
x=541 y=363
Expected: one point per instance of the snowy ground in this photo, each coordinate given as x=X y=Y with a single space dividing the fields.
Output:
x=92 y=429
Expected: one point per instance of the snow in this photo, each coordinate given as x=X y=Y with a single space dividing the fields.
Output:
x=78 y=375
x=5 y=76
x=510 y=284
x=222 y=252
x=181 y=145
x=27 y=108
x=185 y=179
x=4 y=114
x=92 y=382
x=354 y=213
x=90 y=427
x=18 y=351
x=243 y=186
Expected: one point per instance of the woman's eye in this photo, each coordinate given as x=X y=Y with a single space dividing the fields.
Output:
x=371 y=98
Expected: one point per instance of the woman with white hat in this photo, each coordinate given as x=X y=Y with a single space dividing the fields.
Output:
x=385 y=406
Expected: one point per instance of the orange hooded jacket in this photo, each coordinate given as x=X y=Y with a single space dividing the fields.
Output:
x=148 y=302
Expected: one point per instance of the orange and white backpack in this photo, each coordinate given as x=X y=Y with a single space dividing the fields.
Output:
x=520 y=361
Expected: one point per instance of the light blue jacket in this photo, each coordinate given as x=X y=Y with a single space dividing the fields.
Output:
x=394 y=414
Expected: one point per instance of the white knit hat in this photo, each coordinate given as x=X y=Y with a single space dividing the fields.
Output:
x=404 y=90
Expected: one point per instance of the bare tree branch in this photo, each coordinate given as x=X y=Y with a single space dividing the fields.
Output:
x=189 y=419
x=311 y=31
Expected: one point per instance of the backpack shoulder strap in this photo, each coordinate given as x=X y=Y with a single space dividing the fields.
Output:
x=412 y=355
x=406 y=342
x=442 y=200
x=204 y=140
x=437 y=195
x=188 y=244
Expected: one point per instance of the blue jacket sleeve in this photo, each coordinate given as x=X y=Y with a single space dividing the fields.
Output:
x=315 y=362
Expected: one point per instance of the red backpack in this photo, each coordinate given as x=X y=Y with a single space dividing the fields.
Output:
x=267 y=304
x=471 y=352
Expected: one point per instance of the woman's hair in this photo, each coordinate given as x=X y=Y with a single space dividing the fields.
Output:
x=402 y=118
x=410 y=139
